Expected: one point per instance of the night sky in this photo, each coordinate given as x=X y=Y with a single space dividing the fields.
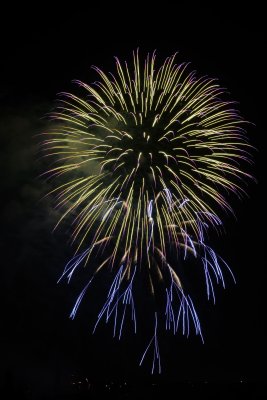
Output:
x=42 y=51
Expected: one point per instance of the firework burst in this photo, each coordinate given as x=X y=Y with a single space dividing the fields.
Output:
x=146 y=159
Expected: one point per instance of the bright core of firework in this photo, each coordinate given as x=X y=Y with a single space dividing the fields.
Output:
x=146 y=159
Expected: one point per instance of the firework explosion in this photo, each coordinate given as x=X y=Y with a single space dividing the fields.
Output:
x=145 y=161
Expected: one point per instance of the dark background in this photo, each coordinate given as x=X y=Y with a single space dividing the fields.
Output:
x=42 y=51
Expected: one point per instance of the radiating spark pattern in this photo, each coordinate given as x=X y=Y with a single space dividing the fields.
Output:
x=145 y=160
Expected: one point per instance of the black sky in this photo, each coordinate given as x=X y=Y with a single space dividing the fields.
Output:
x=42 y=51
